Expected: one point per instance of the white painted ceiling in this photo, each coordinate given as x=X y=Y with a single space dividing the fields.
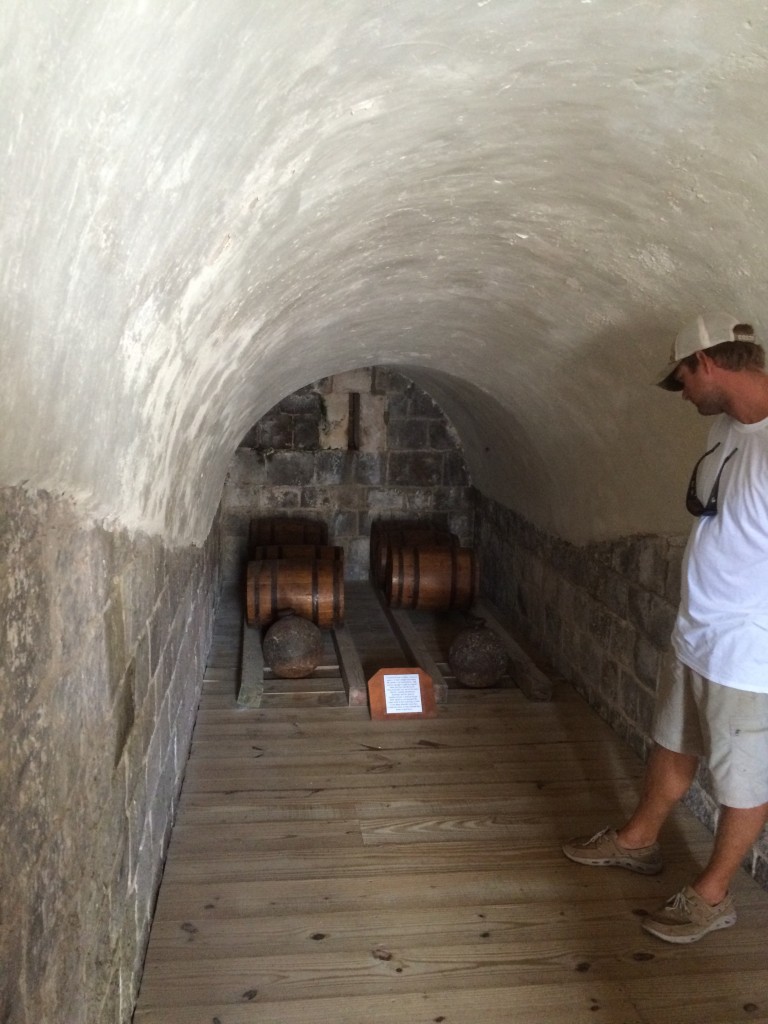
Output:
x=516 y=202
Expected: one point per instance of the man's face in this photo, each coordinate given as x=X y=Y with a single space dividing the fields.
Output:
x=700 y=389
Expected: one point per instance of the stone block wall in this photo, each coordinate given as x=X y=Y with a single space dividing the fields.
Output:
x=101 y=664
x=347 y=450
x=601 y=616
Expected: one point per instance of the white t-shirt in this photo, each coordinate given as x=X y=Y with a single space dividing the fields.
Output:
x=722 y=624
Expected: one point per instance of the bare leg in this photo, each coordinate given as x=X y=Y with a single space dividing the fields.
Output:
x=668 y=776
x=737 y=829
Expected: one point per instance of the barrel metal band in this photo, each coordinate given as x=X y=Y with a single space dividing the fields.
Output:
x=273 y=565
x=338 y=593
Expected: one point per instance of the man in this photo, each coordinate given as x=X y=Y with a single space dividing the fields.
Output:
x=715 y=705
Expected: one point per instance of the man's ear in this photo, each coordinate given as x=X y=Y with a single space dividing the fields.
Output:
x=705 y=363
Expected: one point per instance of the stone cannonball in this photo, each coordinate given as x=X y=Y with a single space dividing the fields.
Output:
x=293 y=647
x=477 y=657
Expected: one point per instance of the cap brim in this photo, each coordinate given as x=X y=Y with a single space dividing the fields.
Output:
x=667 y=380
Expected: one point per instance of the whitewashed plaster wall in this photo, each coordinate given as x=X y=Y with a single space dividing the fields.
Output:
x=207 y=206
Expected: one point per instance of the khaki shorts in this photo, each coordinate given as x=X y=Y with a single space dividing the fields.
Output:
x=726 y=727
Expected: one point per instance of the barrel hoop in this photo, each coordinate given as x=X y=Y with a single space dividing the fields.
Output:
x=338 y=590
x=416 y=578
x=454 y=575
x=251 y=605
x=390 y=581
x=315 y=609
x=273 y=567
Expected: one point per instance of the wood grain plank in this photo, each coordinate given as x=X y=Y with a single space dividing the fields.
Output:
x=548 y=881
x=555 y=1004
x=330 y=750
x=564 y=800
x=405 y=968
x=339 y=931
x=360 y=754
x=394 y=859
x=263 y=837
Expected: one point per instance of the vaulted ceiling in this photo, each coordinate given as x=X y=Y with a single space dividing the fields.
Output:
x=516 y=202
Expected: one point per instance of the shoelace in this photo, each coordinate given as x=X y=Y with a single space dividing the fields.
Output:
x=597 y=835
x=679 y=903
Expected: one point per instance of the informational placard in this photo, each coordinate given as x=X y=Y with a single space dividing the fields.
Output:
x=402 y=694
x=396 y=693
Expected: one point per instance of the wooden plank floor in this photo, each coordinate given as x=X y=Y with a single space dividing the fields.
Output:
x=327 y=868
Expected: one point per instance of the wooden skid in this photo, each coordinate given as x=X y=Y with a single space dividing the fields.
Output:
x=351 y=669
x=415 y=648
x=422 y=638
x=345 y=674
x=534 y=683
x=252 y=668
x=531 y=680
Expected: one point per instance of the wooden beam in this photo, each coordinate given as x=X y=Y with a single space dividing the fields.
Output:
x=252 y=668
x=529 y=678
x=414 y=647
x=352 y=674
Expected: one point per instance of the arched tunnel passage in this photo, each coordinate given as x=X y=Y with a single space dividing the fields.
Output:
x=208 y=206
x=346 y=450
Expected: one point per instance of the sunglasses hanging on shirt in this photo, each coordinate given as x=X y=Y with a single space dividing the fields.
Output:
x=692 y=501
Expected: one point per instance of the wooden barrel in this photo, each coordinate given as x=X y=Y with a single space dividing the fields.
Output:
x=284 y=530
x=404 y=536
x=322 y=552
x=311 y=588
x=381 y=529
x=431 y=577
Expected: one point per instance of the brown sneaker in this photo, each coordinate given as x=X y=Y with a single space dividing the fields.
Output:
x=603 y=850
x=686 y=917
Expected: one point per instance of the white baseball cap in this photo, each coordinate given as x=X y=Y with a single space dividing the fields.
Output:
x=705 y=331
